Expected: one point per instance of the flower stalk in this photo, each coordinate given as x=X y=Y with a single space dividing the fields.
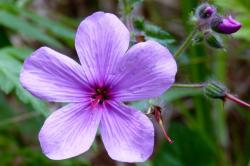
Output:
x=188 y=41
x=215 y=90
x=189 y=85
x=237 y=100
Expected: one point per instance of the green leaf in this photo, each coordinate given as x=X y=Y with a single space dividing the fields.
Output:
x=17 y=53
x=25 y=28
x=10 y=68
x=214 y=41
x=153 y=32
x=54 y=28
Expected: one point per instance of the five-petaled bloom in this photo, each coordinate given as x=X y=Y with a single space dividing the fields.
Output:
x=108 y=75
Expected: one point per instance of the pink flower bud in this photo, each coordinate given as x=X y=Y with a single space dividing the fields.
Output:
x=225 y=25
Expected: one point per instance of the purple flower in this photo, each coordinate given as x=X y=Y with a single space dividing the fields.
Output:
x=108 y=75
x=225 y=25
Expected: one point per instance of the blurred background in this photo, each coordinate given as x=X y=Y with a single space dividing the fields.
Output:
x=205 y=132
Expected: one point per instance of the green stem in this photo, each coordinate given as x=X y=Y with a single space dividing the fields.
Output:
x=188 y=85
x=186 y=43
x=201 y=85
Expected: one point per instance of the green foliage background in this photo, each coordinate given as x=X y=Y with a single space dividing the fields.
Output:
x=205 y=132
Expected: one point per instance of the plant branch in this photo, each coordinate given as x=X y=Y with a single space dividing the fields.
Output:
x=186 y=43
x=216 y=89
x=188 y=85
x=236 y=100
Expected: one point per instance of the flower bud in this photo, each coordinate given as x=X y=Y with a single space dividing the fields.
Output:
x=198 y=38
x=204 y=14
x=205 y=11
x=225 y=25
x=213 y=41
x=215 y=90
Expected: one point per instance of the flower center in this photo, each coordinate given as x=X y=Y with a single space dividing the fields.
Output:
x=101 y=94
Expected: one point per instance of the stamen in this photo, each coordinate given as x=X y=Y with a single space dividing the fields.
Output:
x=97 y=99
x=101 y=94
x=156 y=111
x=165 y=133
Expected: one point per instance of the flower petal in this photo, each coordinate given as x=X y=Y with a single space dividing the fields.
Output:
x=146 y=71
x=101 y=40
x=69 y=131
x=52 y=76
x=128 y=135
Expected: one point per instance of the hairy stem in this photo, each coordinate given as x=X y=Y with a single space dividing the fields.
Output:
x=189 y=85
x=186 y=43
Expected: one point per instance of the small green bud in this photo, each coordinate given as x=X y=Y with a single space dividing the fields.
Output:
x=215 y=90
x=198 y=38
x=213 y=41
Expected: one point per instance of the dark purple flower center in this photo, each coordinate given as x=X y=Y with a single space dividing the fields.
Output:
x=101 y=94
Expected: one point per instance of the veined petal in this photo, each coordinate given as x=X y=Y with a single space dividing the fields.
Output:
x=146 y=71
x=52 y=76
x=127 y=134
x=101 y=40
x=69 y=131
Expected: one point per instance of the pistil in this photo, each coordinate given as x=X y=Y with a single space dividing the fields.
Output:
x=101 y=94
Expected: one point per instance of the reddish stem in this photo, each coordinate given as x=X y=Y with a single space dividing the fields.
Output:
x=236 y=100
x=165 y=133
